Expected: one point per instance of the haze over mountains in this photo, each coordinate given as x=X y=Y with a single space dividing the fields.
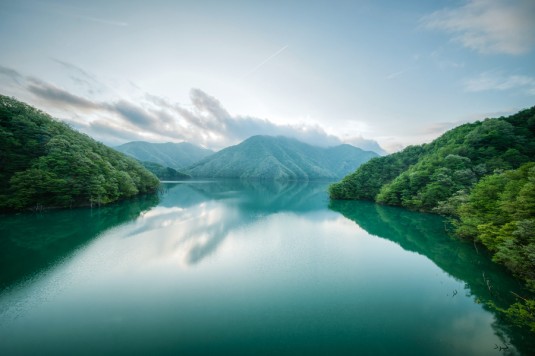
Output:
x=173 y=155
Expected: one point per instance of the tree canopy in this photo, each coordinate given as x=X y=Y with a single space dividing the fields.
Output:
x=425 y=177
x=44 y=163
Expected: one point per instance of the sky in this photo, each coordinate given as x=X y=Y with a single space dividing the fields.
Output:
x=380 y=75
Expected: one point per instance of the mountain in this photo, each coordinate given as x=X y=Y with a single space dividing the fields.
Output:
x=427 y=176
x=44 y=164
x=174 y=155
x=280 y=158
x=164 y=173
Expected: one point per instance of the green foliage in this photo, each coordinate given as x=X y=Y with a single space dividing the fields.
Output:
x=44 y=163
x=280 y=158
x=500 y=213
x=522 y=313
x=165 y=173
x=366 y=181
x=426 y=177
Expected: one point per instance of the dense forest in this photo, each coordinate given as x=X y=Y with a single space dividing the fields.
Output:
x=44 y=164
x=421 y=177
x=480 y=174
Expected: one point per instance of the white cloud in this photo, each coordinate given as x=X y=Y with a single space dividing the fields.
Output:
x=204 y=122
x=221 y=129
x=489 y=26
x=365 y=144
x=498 y=82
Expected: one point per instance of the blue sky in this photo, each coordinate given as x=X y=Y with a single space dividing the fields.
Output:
x=216 y=72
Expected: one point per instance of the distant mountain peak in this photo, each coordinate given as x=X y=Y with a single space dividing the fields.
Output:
x=176 y=155
x=280 y=158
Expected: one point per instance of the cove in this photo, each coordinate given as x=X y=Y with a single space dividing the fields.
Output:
x=248 y=267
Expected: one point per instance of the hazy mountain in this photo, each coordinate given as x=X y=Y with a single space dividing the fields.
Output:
x=268 y=157
x=174 y=155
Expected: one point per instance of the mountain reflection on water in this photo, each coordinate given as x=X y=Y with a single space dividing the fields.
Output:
x=248 y=267
x=208 y=211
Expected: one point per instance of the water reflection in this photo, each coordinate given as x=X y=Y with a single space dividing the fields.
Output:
x=253 y=195
x=230 y=267
x=426 y=234
x=30 y=243
x=201 y=215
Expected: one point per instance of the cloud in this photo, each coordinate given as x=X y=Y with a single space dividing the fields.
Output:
x=80 y=77
x=365 y=144
x=73 y=68
x=489 y=26
x=438 y=128
x=221 y=127
x=11 y=74
x=111 y=131
x=58 y=96
x=496 y=81
x=134 y=114
x=205 y=122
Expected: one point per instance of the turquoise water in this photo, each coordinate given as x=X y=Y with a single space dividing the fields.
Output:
x=229 y=267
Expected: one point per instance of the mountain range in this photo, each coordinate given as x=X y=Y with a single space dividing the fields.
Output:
x=173 y=155
x=280 y=158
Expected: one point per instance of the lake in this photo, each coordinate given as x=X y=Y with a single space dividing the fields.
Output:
x=230 y=267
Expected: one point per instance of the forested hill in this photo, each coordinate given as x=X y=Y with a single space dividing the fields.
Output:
x=424 y=177
x=173 y=155
x=483 y=176
x=44 y=163
x=280 y=158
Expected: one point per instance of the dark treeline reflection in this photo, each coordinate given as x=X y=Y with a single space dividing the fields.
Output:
x=487 y=282
x=30 y=243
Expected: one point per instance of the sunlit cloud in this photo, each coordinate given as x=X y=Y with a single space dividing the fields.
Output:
x=365 y=144
x=204 y=121
x=489 y=26
x=497 y=81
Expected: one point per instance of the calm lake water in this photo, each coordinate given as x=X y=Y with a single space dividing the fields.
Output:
x=228 y=267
